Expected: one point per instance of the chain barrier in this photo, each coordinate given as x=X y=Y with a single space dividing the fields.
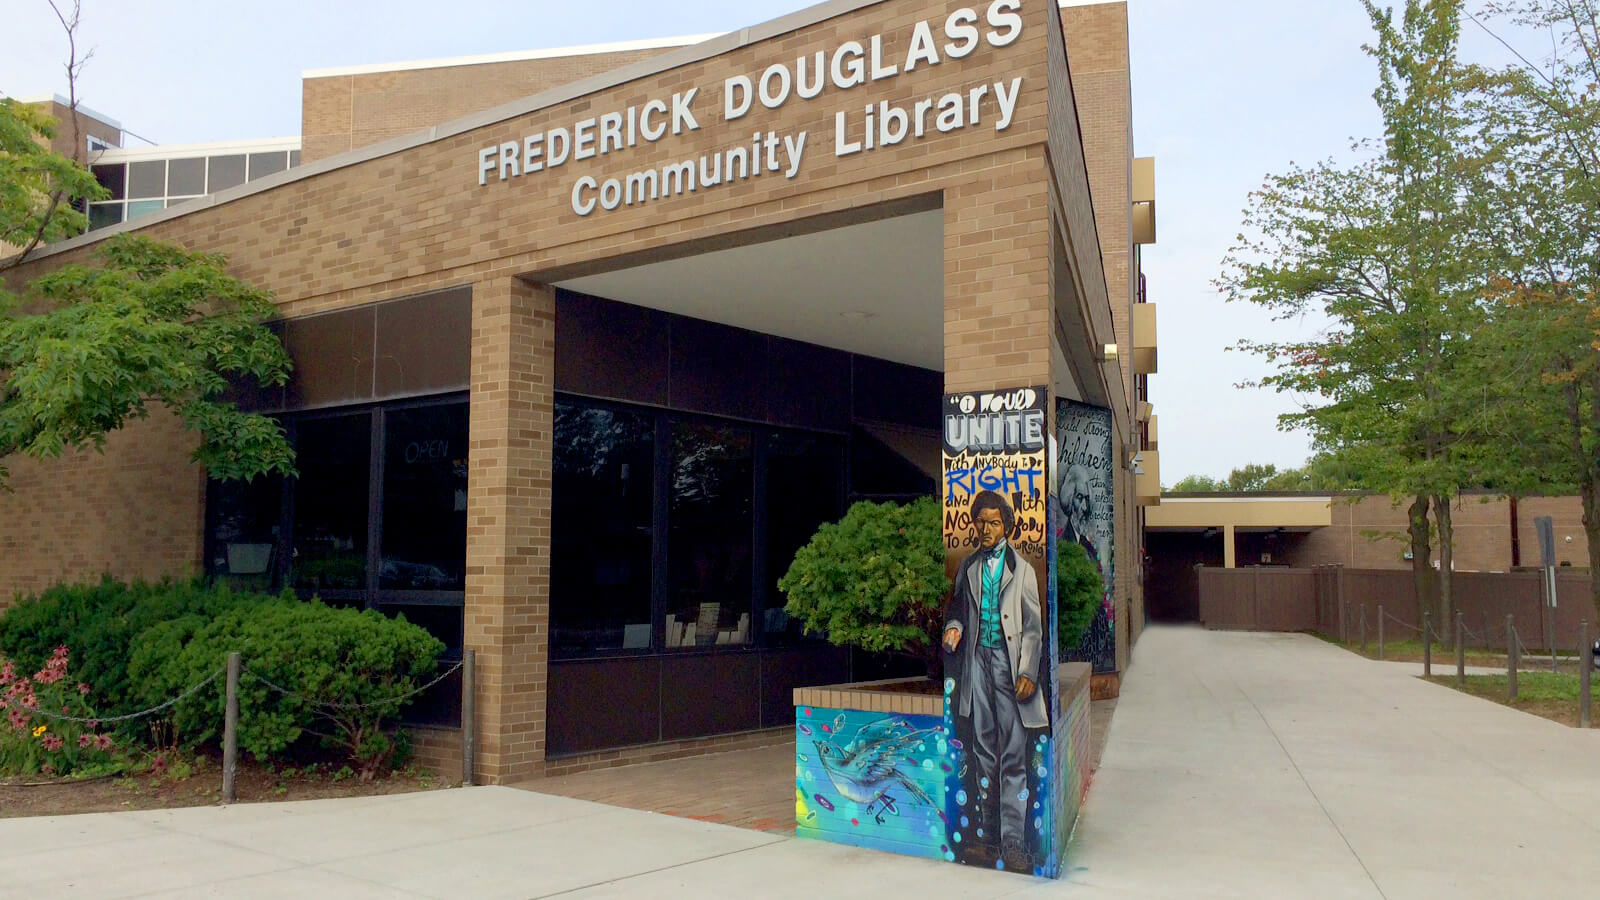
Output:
x=1403 y=624
x=337 y=706
x=102 y=720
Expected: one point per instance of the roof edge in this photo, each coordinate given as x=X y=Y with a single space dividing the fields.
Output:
x=512 y=56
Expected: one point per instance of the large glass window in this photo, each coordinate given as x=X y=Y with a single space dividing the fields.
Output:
x=333 y=454
x=671 y=530
x=804 y=486
x=424 y=499
x=709 y=540
x=600 y=597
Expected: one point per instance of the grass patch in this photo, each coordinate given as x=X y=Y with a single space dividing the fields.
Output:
x=1550 y=695
x=1445 y=654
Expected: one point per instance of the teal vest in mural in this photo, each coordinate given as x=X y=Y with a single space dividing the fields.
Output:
x=989 y=633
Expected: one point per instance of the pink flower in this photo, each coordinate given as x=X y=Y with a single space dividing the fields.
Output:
x=19 y=719
x=47 y=769
x=83 y=689
x=102 y=741
x=8 y=672
x=85 y=739
x=52 y=743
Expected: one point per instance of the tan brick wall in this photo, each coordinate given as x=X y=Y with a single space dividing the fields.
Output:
x=417 y=219
x=1370 y=533
x=343 y=112
x=133 y=512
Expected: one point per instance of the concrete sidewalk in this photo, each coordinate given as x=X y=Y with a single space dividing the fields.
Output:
x=1238 y=765
x=1276 y=765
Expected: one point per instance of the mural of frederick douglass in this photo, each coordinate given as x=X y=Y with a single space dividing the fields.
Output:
x=994 y=629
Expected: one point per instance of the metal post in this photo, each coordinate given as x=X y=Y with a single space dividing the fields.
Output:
x=1427 y=645
x=1461 y=650
x=469 y=718
x=1511 y=658
x=1585 y=675
x=1344 y=628
x=1550 y=613
x=1380 y=631
x=1363 y=629
x=230 y=730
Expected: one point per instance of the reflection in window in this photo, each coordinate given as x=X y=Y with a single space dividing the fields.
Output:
x=805 y=488
x=600 y=530
x=245 y=531
x=330 y=503
x=425 y=499
x=709 y=553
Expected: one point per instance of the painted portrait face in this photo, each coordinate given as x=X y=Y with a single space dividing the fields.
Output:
x=991 y=527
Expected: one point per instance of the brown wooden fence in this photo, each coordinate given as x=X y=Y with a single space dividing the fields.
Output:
x=1333 y=600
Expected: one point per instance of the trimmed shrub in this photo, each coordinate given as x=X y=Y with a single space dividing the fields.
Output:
x=342 y=670
x=875 y=580
x=1079 y=589
x=102 y=624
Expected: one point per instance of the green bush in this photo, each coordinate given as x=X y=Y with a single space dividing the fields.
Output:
x=102 y=623
x=342 y=669
x=1079 y=589
x=875 y=579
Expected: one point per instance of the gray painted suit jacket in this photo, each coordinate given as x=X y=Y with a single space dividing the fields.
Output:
x=1021 y=620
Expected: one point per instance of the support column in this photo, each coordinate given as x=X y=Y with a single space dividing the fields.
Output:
x=1229 y=547
x=507 y=615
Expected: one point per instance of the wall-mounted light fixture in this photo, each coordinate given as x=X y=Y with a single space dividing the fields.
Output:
x=1108 y=353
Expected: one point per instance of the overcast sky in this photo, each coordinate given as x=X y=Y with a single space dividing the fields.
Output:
x=1224 y=92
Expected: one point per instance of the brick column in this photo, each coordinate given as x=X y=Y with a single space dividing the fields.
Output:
x=997 y=252
x=507 y=616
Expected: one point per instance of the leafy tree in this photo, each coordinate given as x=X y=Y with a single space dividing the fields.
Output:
x=1197 y=484
x=37 y=184
x=1540 y=350
x=1079 y=589
x=1389 y=250
x=875 y=580
x=151 y=324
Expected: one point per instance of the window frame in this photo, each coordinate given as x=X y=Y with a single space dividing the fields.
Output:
x=761 y=434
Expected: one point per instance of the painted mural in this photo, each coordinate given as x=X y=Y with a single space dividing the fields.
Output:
x=873 y=779
x=999 y=657
x=1086 y=514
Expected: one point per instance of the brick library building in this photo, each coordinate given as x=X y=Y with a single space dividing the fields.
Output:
x=587 y=342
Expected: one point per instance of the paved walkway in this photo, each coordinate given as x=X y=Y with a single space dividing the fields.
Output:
x=1238 y=765
x=1269 y=765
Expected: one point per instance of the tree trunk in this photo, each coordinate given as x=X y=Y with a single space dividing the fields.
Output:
x=1441 y=515
x=1421 y=556
x=1590 y=491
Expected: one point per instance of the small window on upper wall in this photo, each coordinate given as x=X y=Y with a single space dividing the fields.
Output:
x=104 y=214
x=114 y=178
x=147 y=179
x=225 y=172
x=186 y=177
x=264 y=164
x=137 y=208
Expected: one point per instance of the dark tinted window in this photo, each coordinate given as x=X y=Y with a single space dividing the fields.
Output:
x=186 y=176
x=330 y=503
x=711 y=484
x=225 y=172
x=245 y=525
x=602 y=501
x=805 y=488
x=147 y=179
x=425 y=499
x=113 y=177
x=103 y=214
